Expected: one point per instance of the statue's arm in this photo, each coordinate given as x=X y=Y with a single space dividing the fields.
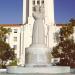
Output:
x=34 y=15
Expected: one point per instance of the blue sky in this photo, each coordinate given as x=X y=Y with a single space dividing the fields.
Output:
x=64 y=10
x=11 y=11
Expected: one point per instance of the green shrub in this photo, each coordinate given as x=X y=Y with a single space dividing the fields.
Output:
x=13 y=63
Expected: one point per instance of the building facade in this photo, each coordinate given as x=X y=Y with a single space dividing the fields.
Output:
x=16 y=41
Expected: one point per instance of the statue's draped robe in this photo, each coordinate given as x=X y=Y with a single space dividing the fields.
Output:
x=38 y=29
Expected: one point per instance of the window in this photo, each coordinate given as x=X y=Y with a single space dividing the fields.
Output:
x=15 y=38
x=10 y=30
x=6 y=38
x=15 y=46
x=43 y=2
x=33 y=2
x=38 y=2
x=15 y=30
x=56 y=37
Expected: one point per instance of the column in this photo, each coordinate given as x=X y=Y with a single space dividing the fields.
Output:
x=30 y=18
x=25 y=11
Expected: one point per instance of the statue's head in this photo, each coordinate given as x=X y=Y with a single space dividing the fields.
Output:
x=37 y=8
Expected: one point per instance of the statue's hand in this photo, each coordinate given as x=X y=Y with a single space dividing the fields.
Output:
x=42 y=10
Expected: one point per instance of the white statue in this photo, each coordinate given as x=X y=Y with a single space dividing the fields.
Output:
x=37 y=52
x=38 y=36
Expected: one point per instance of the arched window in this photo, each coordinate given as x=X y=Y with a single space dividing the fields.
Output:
x=38 y=2
x=33 y=2
x=42 y=1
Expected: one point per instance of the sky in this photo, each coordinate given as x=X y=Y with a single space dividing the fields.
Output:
x=64 y=10
x=11 y=11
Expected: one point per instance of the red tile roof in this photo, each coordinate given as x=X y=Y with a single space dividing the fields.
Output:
x=10 y=25
x=61 y=24
x=18 y=25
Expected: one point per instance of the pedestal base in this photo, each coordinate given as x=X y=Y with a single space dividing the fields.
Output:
x=37 y=55
x=52 y=69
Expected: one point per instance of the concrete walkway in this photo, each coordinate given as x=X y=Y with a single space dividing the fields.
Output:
x=36 y=74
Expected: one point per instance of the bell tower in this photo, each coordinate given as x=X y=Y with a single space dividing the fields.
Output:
x=49 y=9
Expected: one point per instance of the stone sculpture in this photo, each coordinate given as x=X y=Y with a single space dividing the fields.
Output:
x=36 y=54
x=38 y=28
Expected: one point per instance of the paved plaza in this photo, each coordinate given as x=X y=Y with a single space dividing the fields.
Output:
x=38 y=74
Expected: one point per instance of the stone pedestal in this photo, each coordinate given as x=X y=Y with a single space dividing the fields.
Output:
x=39 y=70
x=36 y=56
